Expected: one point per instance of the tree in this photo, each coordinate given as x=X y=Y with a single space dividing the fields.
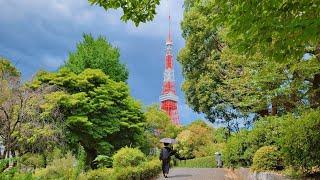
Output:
x=20 y=110
x=280 y=31
x=159 y=125
x=194 y=138
x=227 y=85
x=97 y=54
x=98 y=112
x=136 y=10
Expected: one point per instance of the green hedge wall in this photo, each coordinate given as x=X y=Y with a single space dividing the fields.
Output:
x=203 y=162
x=146 y=170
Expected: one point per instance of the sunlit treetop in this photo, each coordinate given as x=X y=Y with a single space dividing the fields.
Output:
x=135 y=10
x=279 y=29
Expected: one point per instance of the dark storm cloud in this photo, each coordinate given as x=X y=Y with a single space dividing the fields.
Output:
x=38 y=34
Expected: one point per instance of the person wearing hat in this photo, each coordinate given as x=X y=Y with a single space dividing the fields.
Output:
x=165 y=154
x=218 y=160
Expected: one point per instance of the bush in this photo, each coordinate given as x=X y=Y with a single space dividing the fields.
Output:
x=126 y=157
x=146 y=170
x=63 y=168
x=33 y=160
x=300 y=141
x=101 y=173
x=202 y=162
x=103 y=161
x=266 y=158
x=233 y=154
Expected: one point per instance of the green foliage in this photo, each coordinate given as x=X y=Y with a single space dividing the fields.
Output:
x=266 y=158
x=299 y=142
x=81 y=162
x=209 y=150
x=126 y=157
x=295 y=135
x=279 y=30
x=32 y=160
x=101 y=173
x=58 y=169
x=146 y=170
x=234 y=152
x=103 y=161
x=193 y=140
x=201 y=162
x=8 y=174
x=158 y=125
x=97 y=54
x=135 y=10
x=99 y=113
x=227 y=63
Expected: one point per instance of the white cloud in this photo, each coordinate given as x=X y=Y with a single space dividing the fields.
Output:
x=52 y=62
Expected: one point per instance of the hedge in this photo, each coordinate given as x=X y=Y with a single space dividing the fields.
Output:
x=203 y=162
x=146 y=170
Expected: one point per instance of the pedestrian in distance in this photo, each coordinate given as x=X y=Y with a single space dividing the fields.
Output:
x=218 y=160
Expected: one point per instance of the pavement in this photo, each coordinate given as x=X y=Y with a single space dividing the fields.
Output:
x=200 y=174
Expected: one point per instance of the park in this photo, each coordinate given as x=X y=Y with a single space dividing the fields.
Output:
x=159 y=89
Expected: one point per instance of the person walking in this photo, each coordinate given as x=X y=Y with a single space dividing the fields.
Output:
x=218 y=160
x=165 y=154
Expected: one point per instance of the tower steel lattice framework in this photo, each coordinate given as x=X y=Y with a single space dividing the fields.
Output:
x=169 y=98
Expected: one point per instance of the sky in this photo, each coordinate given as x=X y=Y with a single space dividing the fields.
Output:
x=38 y=34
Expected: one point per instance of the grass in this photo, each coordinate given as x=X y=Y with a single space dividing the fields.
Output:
x=203 y=162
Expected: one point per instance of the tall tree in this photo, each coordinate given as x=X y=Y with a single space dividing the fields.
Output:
x=225 y=80
x=136 y=10
x=97 y=54
x=99 y=113
x=19 y=106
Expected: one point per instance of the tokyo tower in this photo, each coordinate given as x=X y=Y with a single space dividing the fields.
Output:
x=169 y=98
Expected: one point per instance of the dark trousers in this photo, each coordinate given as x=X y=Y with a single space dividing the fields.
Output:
x=165 y=166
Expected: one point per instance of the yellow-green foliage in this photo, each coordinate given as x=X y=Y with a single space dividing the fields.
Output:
x=209 y=150
x=126 y=157
x=33 y=160
x=63 y=168
x=202 y=162
x=101 y=173
x=146 y=170
x=266 y=158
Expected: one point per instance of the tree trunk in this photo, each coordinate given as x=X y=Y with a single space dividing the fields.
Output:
x=263 y=112
x=315 y=91
x=274 y=108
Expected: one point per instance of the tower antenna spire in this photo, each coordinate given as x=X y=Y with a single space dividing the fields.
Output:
x=169 y=40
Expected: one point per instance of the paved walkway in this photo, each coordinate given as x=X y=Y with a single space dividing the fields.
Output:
x=200 y=174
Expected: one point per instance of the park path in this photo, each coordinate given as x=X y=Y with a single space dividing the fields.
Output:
x=200 y=174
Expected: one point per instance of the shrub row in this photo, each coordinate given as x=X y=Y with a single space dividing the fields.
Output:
x=202 y=162
x=293 y=137
x=146 y=170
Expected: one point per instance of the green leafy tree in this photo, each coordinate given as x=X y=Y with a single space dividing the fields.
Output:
x=194 y=139
x=22 y=128
x=98 y=112
x=97 y=54
x=136 y=10
x=226 y=84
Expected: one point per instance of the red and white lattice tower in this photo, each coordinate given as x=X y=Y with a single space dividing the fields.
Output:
x=169 y=98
